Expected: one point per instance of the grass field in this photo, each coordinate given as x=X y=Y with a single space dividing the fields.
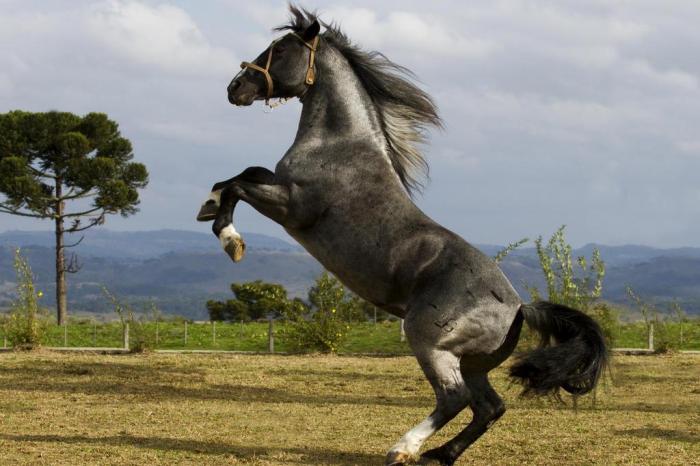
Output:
x=361 y=338
x=320 y=410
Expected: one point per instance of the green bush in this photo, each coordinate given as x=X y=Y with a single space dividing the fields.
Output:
x=575 y=282
x=27 y=323
x=142 y=337
x=325 y=327
x=663 y=339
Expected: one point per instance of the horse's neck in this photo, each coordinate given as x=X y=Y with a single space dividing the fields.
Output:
x=337 y=108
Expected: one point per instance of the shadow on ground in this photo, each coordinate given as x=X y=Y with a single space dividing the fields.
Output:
x=177 y=383
x=664 y=434
x=309 y=455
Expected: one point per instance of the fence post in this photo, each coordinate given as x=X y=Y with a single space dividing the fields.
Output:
x=650 y=337
x=126 y=335
x=213 y=332
x=157 y=336
x=65 y=335
x=402 y=331
x=271 y=337
x=185 y=333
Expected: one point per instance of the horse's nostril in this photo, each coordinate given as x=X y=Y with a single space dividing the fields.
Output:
x=233 y=86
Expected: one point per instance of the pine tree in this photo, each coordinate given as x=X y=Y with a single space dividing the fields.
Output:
x=66 y=168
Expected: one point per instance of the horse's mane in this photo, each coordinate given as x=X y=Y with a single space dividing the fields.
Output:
x=405 y=111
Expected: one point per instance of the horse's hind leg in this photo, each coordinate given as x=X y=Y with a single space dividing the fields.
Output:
x=442 y=369
x=487 y=407
x=451 y=394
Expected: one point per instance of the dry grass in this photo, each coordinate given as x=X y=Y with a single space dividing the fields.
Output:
x=312 y=410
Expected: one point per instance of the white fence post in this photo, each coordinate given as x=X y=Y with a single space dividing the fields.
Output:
x=185 y=333
x=402 y=331
x=213 y=332
x=271 y=337
x=126 y=335
x=650 y=337
x=65 y=334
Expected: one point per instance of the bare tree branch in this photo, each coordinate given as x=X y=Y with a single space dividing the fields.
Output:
x=81 y=195
x=38 y=172
x=9 y=210
x=82 y=214
x=73 y=265
x=74 y=244
x=93 y=221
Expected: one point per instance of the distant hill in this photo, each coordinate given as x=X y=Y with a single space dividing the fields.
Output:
x=180 y=270
x=139 y=244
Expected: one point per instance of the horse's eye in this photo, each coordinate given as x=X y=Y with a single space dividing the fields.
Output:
x=279 y=49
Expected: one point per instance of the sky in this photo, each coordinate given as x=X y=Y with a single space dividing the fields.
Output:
x=556 y=112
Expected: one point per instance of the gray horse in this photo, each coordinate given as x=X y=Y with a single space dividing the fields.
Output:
x=343 y=191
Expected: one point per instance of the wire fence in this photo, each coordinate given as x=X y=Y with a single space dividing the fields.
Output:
x=272 y=336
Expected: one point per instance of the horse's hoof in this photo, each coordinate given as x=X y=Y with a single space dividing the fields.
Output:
x=397 y=458
x=235 y=249
x=423 y=461
x=434 y=458
x=208 y=211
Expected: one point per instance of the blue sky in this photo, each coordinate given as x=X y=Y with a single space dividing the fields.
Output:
x=566 y=112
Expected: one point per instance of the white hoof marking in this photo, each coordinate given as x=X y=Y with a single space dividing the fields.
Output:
x=228 y=234
x=216 y=197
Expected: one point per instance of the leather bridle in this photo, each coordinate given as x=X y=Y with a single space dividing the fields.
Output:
x=310 y=72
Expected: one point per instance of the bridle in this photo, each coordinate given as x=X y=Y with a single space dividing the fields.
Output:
x=310 y=71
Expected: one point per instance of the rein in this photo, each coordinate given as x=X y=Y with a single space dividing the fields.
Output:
x=310 y=71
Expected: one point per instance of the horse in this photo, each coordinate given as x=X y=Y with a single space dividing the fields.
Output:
x=344 y=190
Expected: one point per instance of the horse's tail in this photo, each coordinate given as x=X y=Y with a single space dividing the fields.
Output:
x=572 y=353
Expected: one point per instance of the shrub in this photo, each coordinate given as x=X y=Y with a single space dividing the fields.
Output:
x=325 y=327
x=27 y=323
x=577 y=283
x=254 y=300
x=663 y=339
x=565 y=285
x=142 y=337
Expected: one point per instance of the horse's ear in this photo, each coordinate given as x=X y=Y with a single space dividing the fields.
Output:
x=311 y=31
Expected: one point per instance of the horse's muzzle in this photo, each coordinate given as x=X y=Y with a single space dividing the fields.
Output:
x=240 y=94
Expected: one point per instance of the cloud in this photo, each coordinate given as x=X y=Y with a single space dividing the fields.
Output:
x=557 y=112
x=421 y=34
x=162 y=36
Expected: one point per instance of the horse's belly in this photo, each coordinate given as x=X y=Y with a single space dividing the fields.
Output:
x=360 y=263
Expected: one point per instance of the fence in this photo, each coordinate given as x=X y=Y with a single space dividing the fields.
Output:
x=383 y=337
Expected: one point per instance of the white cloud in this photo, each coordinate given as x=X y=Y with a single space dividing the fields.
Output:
x=567 y=111
x=162 y=36
x=409 y=31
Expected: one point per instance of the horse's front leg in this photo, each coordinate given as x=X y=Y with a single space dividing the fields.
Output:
x=223 y=228
x=257 y=187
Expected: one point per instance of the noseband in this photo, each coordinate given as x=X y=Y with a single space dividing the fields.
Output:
x=310 y=72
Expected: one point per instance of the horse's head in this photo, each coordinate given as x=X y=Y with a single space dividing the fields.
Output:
x=285 y=69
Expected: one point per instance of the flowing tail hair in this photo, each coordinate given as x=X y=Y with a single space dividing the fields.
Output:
x=572 y=353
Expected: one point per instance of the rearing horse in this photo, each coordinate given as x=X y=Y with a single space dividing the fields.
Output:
x=342 y=190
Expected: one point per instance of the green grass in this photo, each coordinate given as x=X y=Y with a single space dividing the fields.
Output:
x=361 y=337
x=675 y=335
x=163 y=409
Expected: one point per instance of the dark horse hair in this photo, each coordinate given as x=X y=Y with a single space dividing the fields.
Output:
x=572 y=353
x=405 y=111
